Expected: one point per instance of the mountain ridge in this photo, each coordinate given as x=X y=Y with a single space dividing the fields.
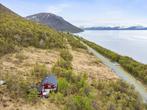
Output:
x=54 y=21
x=116 y=28
x=6 y=10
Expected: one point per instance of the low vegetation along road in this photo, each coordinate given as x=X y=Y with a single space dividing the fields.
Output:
x=118 y=70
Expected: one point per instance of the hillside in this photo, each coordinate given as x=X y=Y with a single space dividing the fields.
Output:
x=4 y=9
x=16 y=31
x=55 y=22
x=29 y=51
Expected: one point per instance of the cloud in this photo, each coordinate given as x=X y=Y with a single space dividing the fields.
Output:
x=57 y=8
x=110 y=22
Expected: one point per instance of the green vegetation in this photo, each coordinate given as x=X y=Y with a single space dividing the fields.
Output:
x=74 y=43
x=117 y=95
x=71 y=86
x=32 y=95
x=19 y=88
x=66 y=55
x=137 y=69
x=74 y=90
x=79 y=103
x=6 y=46
x=63 y=86
x=25 y=88
x=16 y=31
x=76 y=93
x=39 y=71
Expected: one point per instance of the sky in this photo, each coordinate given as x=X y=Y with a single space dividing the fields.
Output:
x=86 y=13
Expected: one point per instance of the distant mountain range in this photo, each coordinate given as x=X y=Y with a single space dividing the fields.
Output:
x=55 y=22
x=116 y=28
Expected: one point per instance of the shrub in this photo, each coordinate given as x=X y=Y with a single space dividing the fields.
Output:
x=6 y=46
x=63 y=86
x=74 y=42
x=67 y=74
x=117 y=95
x=39 y=71
x=66 y=55
x=57 y=98
x=32 y=95
x=85 y=91
x=82 y=82
x=21 y=56
x=79 y=103
x=17 y=87
x=64 y=64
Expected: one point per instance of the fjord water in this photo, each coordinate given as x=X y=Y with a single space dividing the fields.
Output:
x=132 y=43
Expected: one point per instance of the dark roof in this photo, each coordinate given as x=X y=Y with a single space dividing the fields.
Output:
x=50 y=79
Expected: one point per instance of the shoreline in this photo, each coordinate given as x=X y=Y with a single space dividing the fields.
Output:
x=140 y=87
x=124 y=43
x=120 y=71
x=135 y=68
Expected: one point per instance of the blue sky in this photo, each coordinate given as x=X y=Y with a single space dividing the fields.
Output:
x=86 y=12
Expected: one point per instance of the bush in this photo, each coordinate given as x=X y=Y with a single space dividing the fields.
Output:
x=117 y=95
x=82 y=81
x=67 y=74
x=74 y=42
x=6 y=46
x=39 y=71
x=57 y=98
x=66 y=55
x=63 y=86
x=32 y=95
x=79 y=103
x=85 y=91
x=21 y=56
x=64 y=64
x=17 y=87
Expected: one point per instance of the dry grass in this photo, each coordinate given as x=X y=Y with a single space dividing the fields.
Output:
x=87 y=63
x=20 y=65
x=25 y=60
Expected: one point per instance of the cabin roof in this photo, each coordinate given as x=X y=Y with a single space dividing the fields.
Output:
x=50 y=79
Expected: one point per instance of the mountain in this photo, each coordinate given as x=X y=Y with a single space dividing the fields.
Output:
x=55 y=22
x=117 y=28
x=4 y=9
x=16 y=31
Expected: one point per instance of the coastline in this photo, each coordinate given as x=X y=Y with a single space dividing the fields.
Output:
x=139 y=86
x=130 y=65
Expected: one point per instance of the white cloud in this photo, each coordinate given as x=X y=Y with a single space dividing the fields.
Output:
x=57 y=8
x=110 y=22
